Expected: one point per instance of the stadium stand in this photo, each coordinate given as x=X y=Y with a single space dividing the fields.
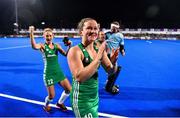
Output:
x=166 y=34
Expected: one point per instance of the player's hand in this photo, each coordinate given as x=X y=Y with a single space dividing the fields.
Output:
x=123 y=53
x=69 y=43
x=31 y=29
x=114 y=56
x=66 y=41
x=101 y=50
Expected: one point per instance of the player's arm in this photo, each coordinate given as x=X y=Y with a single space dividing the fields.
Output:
x=114 y=56
x=33 y=42
x=108 y=65
x=81 y=73
x=122 y=50
x=69 y=46
x=121 y=44
x=60 y=49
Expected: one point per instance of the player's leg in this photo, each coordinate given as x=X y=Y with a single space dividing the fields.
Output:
x=49 y=98
x=110 y=84
x=65 y=94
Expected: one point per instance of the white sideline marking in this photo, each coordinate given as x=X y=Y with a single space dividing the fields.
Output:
x=53 y=105
x=15 y=47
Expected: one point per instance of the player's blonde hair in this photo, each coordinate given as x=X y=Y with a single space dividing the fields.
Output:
x=48 y=30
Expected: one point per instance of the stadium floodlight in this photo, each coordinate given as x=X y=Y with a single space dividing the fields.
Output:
x=43 y=23
x=15 y=24
x=16 y=15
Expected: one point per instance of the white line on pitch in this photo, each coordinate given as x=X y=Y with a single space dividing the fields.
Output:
x=53 y=105
x=15 y=47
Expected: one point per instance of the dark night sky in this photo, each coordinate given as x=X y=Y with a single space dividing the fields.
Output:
x=67 y=13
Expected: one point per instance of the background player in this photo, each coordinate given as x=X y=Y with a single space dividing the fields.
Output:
x=115 y=42
x=52 y=71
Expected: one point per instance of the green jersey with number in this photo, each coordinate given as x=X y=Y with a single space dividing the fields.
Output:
x=52 y=70
x=84 y=95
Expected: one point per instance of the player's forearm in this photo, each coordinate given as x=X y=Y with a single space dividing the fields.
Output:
x=33 y=42
x=122 y=50
x=62 y=52
x=67 y=50
x=87 y=72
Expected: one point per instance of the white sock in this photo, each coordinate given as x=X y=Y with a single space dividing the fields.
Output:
x=47 y=101
x=63 y=97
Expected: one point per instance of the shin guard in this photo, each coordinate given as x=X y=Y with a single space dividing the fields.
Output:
x=111 y=80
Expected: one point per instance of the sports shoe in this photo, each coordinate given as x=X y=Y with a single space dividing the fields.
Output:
x=61 y=106
x=117 y=86
x=114 y=90
x=47 y=108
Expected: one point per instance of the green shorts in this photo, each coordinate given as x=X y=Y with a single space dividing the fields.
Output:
x=52 y=78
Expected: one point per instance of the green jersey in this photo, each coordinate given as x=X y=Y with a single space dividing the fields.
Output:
x=52 y=70
x=84 y=96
